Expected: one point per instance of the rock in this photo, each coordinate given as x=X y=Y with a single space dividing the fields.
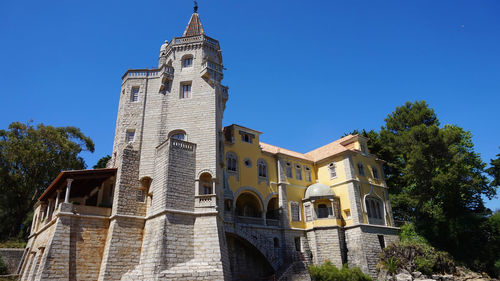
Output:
x=417 y=274
x=404 y=277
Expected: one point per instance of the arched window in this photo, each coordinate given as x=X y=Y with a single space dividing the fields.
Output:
x=205 y=184
x=231 y=162
x=178 y=135
x=322 y=211
x=262 y=168
x=298 y=172
x=332 y=168
x=375 y=211
x=187 y=61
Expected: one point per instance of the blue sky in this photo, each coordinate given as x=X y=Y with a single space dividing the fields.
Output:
x=302 y=72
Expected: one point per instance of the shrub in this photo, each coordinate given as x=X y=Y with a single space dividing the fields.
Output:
x=4 y=270
x=329 y=272
x=413 y=256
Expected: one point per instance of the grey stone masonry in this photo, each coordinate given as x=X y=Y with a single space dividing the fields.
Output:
x=364 y=245
x=325 y=244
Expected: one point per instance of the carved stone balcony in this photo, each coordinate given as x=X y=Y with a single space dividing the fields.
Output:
x=205 y=201
x=211 y=71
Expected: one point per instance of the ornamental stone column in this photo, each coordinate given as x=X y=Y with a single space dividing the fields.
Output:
x=68 y=190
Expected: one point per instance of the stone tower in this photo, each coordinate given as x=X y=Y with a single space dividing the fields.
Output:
x=168 y=149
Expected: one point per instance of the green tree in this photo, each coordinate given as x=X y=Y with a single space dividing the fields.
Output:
x=437 y=181
x=101 y=163
x=494 y=171
x=30 y=158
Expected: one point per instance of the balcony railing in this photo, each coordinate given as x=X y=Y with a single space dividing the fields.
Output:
x=211 y=70
x=250 y=220
x=271 y=222
x=203 y=201
x=189 y=146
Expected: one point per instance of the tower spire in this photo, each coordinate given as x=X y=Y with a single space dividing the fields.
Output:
x=194 y=26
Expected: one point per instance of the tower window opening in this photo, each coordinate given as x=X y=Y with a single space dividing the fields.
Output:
x=185 y=91
x=179 y=136
x=130 y=135
x=134 y=96
x=187 y=62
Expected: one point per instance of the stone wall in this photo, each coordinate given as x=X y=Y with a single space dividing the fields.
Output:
x=325 y=245
x=364 y=246
x=12 y=257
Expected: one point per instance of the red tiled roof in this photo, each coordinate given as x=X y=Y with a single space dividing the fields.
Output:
x=194 y=26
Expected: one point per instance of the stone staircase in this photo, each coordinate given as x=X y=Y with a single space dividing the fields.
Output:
x=263 y=243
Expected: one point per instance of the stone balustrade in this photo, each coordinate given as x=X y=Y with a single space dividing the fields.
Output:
x=249 y=220
x=206 y=200
x=182 y=144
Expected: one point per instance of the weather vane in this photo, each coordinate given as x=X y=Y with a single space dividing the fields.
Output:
x=195 y=7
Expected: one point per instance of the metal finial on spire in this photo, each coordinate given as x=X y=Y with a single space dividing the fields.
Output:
x=195 y=8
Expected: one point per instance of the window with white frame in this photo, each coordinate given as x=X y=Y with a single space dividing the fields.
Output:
x=298 y=172
x=185 y=90
x=332 y=168
x=375 y=173
x=288 y=169
x=361 y=169
x=231 y=162
x=134 y=94
x=308 y=212
x=246 y=137
x=129 y=136
x=187 y=62
x=295 y=211
x=262 y=168
x=307 y=174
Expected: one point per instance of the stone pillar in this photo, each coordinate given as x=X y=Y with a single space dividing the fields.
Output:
x=68 y=190
x=58 y=193
x=197 y=187
x=50 y=208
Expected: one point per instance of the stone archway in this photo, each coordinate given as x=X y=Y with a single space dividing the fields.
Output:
x=246 y=261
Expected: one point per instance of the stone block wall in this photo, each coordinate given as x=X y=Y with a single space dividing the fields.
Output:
x=123 y=247
x=325 y=244
x=363 y=245
x=12 y=257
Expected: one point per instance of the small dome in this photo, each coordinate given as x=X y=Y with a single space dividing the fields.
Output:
x=318 y=190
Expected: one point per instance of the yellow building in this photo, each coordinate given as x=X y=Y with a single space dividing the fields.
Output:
x=335 y=196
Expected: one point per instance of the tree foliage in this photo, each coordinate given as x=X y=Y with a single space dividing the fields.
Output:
x=30 y=158
x=101 y=163
x=437 y=181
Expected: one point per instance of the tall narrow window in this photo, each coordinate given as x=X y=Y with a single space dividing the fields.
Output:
x=232 y=162
x=129 y=137
x=295 y=210
x=308 y=213
x=288 y=169
x=140 y=195
x=134 y=95
x=361 y=170
x=186 y=91
x=332 y=168
x=262 y=168
x=307 y=174
x=298 y=172
x=375 y=173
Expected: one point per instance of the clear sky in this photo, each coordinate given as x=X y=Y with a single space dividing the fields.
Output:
x=302 y=72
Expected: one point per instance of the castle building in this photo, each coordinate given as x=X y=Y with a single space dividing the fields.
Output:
x=184 y=198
